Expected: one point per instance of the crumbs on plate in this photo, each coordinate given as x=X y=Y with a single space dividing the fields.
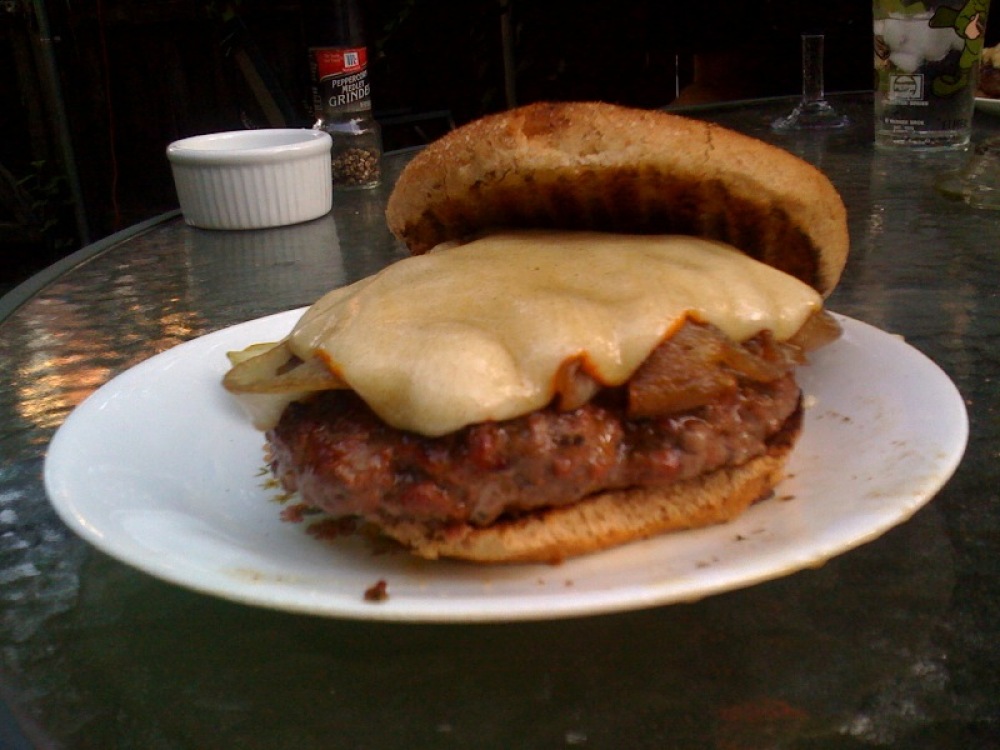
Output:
x=377 y=592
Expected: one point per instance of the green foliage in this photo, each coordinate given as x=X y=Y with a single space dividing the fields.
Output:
x=48 y=201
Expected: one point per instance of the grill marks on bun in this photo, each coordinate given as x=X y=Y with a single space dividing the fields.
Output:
x=619 y=201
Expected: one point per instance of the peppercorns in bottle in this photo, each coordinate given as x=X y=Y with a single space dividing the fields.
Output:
x=342 y=94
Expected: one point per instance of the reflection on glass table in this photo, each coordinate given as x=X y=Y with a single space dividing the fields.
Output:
x=978 y=181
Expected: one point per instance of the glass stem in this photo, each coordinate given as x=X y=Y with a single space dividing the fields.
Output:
x=812 y=68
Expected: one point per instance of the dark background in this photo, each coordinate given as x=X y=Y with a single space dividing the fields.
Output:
x=134 y=75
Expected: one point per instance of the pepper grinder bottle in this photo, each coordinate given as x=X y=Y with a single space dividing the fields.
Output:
x=338 y=63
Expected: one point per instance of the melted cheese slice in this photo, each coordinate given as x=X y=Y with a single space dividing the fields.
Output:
x=478 y=332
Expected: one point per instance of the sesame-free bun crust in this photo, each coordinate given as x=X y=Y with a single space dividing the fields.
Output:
x=605 y=520
x=589 y=165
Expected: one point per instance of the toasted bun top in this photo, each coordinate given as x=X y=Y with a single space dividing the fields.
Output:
x=588 y=165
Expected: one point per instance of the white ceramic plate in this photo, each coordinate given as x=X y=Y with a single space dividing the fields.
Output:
x=990 y=106
x=160 y=469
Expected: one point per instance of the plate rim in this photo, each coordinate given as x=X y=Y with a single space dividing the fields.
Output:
x=481 y=608
x=988 y=104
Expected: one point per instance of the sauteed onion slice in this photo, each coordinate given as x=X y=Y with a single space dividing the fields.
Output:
x=274 y=368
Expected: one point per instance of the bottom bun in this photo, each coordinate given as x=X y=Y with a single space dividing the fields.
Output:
x=609 y=519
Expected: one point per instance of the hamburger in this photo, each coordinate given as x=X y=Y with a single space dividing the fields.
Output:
x=594 y=340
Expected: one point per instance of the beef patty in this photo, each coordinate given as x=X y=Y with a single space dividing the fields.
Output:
x=730 y=401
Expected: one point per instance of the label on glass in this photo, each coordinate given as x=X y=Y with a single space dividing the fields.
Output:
x=340 y=77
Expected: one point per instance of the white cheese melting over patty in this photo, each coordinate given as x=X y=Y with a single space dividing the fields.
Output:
x=478 y=332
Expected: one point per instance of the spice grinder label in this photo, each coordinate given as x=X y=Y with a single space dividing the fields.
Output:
x=340 y=76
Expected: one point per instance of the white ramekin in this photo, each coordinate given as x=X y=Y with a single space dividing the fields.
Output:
x=249 y=179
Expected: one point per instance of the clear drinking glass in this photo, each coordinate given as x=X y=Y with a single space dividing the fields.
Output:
x=927 y=57
x=813 y=112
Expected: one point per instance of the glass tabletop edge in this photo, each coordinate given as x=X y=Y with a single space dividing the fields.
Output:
x=28 y=288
